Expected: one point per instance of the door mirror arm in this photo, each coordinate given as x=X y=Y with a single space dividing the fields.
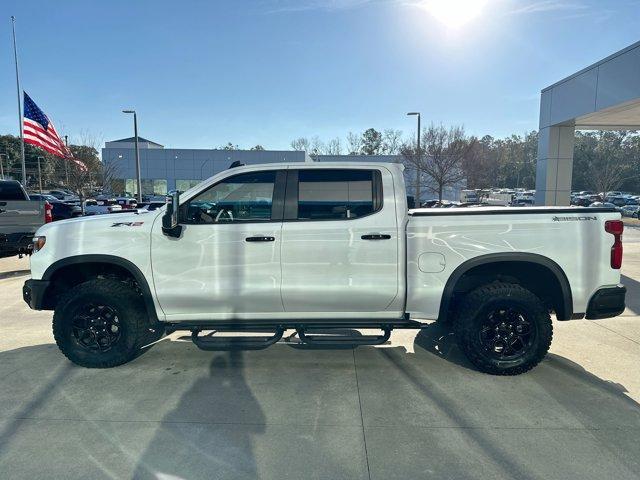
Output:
x=170 y=225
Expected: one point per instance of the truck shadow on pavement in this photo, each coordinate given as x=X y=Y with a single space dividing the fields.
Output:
x=632 y=298
x=15 y=273
x=177 y=412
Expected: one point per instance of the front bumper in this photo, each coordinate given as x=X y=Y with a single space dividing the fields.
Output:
x=33 y=293
x=606 y=302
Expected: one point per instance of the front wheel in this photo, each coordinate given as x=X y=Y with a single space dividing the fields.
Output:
x=100 y=323
x=503 y=329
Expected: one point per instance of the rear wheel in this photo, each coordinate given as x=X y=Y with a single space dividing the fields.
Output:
x=503 y=329
x=100 y=323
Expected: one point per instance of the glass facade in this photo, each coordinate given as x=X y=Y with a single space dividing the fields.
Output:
x=149 y=186
x=184 y=185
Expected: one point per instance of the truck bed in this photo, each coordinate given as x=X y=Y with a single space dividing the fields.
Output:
x=441 y=240
x=495 y=210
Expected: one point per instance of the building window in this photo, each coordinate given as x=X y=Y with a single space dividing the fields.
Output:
x=131 y=187
x=147 y=186
x=117 y=186
x=159 y=187
x=335 y=194
x=184 y=185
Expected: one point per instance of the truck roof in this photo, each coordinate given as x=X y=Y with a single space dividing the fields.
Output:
x=353 y=164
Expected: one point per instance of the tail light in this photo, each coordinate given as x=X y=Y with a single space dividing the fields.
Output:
x=48 y=212
x=615 y=228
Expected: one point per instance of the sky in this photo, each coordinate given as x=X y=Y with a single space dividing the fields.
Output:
x=204 y=73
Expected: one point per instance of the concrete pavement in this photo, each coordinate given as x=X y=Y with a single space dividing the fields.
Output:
x=412 y=409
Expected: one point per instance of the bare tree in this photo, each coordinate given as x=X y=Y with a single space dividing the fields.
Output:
x=333 y=147
x=228 y=146
x=354 y=142
x=440 y=158
x=316 y=147
x=301 y=143
x=391 y=141
x=605 y=165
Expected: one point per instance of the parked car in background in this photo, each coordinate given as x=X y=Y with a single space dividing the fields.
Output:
x=468 y=196
x=154 y=198
x=618 y=201
x=150 y=206
x=605 y=205
x=19 y=218
x=127 y=203
x=101 y=207
x=630 y=211
x=523 y=202
x=60 y=210
x=64 y=195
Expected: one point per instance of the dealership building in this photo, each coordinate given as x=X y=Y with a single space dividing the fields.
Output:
x=165 y=169
x=602 y=96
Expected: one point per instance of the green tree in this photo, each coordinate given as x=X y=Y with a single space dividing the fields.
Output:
x=371 y=142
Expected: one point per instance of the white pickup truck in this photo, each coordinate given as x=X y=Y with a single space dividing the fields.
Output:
x=321 y=248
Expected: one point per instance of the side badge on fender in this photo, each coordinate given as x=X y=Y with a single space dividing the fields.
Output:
x=127 y=224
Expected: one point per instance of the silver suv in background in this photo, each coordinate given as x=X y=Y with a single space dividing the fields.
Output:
x=20 y=217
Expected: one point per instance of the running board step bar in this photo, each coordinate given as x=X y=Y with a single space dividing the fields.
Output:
x=327 y=337
x=210 y=343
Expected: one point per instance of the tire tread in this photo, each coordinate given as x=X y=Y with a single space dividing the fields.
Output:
x=472 y=303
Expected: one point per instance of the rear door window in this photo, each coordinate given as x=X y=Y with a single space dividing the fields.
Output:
x=339 y=194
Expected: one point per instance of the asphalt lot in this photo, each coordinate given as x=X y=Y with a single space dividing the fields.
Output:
x=414 y=408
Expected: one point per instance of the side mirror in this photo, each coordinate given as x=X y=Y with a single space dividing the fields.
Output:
x=170 y=226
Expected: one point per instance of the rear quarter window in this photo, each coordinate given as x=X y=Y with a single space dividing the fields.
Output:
x=11 y=191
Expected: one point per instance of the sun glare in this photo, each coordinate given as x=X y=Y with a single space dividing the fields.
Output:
x=455 y=13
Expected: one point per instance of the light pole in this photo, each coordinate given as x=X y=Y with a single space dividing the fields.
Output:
x=418 y=162
x=40 y=175
x=66 y=161
x=135 y=132
x=1 y=164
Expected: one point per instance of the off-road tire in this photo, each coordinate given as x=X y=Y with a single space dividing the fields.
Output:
x=132 y=317
x=478 y=303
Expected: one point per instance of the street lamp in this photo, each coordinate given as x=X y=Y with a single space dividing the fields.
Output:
x=419 y=160
x=1 y=164
x=135 y=132
x=40 y=175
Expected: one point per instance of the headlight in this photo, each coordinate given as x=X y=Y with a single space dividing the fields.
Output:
x=38 y=243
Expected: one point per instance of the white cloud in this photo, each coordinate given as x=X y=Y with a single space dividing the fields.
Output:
x=547 y=6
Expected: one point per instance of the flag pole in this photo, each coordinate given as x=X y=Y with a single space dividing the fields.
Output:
x=15 y=56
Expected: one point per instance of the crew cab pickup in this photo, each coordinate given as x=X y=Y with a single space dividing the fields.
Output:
x=322 y=248
x=20 y=217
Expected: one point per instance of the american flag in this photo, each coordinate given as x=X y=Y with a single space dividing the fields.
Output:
x=39 y=131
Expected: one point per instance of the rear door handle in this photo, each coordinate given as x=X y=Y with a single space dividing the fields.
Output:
x=375 y=236
x=260 y=239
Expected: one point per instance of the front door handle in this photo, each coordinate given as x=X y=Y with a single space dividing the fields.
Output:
x=375 y=236
x=260 y=239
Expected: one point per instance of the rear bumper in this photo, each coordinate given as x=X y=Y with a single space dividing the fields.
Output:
x=14 y=243
x=33 y=293
x=606 y=302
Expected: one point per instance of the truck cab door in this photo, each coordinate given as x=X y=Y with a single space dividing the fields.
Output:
x=226 y=262
x=340 y=243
